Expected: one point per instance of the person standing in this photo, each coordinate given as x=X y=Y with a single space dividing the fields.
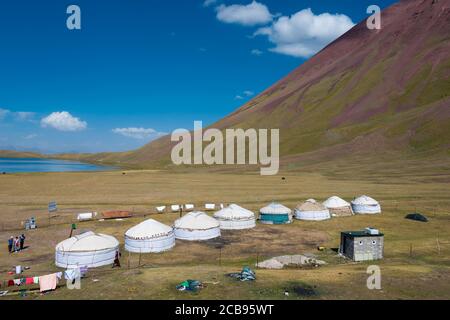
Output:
x=22 y=241
x=116 y=259
x=10 y=244
x=16 y=244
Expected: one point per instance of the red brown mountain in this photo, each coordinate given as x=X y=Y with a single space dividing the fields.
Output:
x=368 y=92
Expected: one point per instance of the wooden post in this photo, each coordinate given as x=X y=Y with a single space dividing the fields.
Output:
x=129 y=253
x=410 y=250
x=220 y=256
x=257 y=259
x=438 y=246
x=139 y=258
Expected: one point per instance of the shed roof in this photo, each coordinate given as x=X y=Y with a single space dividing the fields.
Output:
x=361 y=233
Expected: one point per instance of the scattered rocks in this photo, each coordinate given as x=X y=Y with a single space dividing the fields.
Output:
x=294 y=260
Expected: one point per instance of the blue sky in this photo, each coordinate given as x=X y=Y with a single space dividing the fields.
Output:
x=139 y=69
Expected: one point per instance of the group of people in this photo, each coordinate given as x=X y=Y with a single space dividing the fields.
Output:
x=16 y=244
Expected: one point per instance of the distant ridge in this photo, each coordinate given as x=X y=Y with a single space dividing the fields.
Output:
x=371 y=94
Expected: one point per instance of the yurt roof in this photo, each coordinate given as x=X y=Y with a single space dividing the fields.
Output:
x=365 y=200
x=148 y=229
x=88 y=241
x=311 y=206
x=275 y=208
x=234 y=211
x=196 y=220
x=336 y=202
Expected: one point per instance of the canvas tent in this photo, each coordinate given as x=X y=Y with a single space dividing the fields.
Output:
x=235 y=217
x=312 y=211
x=87 y=249
x=365 y=205
x=86 y=216
x=149 y=236
x=161 y=209
x=196 y=226
x=275 y=213
x=416 y=217
x=338 y=207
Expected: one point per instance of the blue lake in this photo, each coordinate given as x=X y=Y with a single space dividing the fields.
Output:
x=46 y=165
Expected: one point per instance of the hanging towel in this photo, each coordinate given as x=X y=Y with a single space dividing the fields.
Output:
x=17 y=282
x=35 y=280
x=23 y=280
x=29 y=280
x=59 y=275
x=48 y=282
x=10 y=283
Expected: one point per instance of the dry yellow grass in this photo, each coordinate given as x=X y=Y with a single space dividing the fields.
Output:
x=425 y=274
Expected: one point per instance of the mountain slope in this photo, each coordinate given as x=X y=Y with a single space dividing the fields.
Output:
x=368 y=92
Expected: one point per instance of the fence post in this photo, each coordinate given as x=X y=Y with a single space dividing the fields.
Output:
x=438 y=246
x=410 y=250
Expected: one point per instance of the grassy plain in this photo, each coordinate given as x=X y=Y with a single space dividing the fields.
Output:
x=415 y=266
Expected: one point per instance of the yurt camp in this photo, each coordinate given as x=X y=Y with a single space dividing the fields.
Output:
x=149 y=236
x=235 y=217
x=196 y=226
x=312 y=211
x=365 y=205
x=338 y=207
x=88 y=249
x=275 y=213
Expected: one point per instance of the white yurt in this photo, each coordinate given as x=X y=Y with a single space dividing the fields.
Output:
x=275 y=213
x=338 y=207
x=311 y=210
x=365 y=205
x=149 y=236
x=235 y=217
x=87 y=249
x=196 y=226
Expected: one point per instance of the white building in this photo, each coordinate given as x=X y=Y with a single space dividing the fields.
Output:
x=338 y=207
x=235 y=217
x=149 y=236
x=366 y=205
x=311 y=210
x=196 y=226
x=275 y=213
x=87 y=249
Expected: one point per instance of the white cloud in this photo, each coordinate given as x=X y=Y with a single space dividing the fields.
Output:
x=24 y=116
x=245 y=94
x=30 y=136
x=256 y=52
x=208 y=3
x=63 y=121
x=304 y=33
x=19 y=115
x=3 y=113
x=252 y=14
x=138 y=133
